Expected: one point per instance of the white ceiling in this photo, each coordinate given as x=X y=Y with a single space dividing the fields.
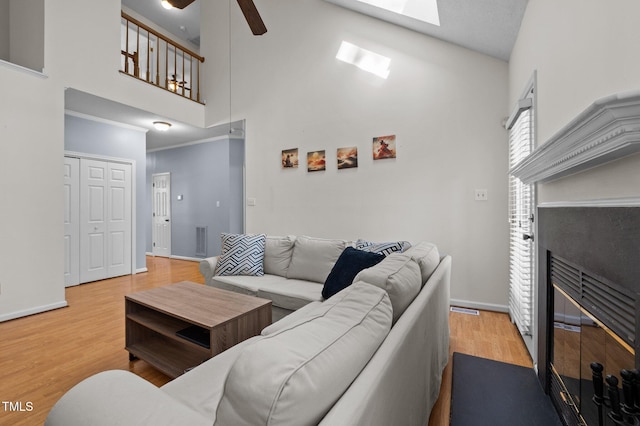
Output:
x=486 y=26
x=82 y=103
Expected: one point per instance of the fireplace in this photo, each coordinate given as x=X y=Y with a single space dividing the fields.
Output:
x=588 y=311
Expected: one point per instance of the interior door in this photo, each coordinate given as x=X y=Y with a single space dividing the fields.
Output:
x=118 y=219
x=71 y=221
x=93 y=220
x=161 y=214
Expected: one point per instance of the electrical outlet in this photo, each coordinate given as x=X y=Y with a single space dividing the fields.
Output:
x=251 y=201
x=481 y=195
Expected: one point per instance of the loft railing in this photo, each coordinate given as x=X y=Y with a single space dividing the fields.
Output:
x=155 y=59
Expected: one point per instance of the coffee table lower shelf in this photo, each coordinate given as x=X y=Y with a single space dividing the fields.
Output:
x=167 y=356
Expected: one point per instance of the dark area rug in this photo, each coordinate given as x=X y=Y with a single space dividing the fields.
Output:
x=492 y=393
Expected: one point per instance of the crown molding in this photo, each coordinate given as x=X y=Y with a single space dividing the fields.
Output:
x=608 y=130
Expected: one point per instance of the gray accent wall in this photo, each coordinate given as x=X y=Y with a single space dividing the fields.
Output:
x=209 y=177
x=106 y=140
x=4 y=30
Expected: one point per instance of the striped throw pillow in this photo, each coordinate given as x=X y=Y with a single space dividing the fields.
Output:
x=242 y=254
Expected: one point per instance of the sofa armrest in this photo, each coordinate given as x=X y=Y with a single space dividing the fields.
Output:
x=118 y=397
x=208 y=268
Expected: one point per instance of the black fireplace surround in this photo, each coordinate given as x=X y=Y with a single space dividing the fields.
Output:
x=589 y=290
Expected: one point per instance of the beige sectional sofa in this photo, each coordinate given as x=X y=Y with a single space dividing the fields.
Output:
x=372 y=354
x=296 y=268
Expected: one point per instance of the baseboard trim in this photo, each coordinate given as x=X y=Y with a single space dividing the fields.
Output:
x=477 y=305
x=192 y=259
x=141 y=270
x=33 y=311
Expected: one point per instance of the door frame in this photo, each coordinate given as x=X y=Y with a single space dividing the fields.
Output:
x=86 y=156
x=531 y=342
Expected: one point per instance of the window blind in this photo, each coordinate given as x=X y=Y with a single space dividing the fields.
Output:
x=520 y=222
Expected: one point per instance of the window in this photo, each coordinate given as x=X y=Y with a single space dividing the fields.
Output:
x=521 y=207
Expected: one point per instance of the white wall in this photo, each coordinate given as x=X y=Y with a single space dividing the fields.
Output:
x=582 y=51
x=444 y=103
x=31 y=144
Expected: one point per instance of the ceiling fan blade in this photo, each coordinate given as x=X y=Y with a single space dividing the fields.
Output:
x=252 y=16
x=180 y=4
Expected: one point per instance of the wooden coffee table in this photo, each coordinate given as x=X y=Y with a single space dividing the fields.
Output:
x=154 y=316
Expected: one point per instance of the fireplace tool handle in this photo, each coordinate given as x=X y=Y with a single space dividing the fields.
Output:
x=628 y=391
x=636 y=403
x=598 y=389
x=614 y=399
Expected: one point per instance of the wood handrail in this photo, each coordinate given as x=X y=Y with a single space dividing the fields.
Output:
x=185 y=84
x=157 y=34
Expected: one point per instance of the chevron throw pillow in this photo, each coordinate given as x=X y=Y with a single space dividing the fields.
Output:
x=242 y=254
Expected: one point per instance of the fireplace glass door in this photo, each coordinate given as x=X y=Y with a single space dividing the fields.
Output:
x=578 y=341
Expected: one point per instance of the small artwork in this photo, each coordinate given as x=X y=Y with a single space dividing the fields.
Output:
x=384 y=147
x=290 y=158
x=316 y=161
x=347 y=158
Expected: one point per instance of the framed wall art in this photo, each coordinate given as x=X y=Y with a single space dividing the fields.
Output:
x=384 y=147
x=290 y=158
x=347 y=157
x=316 y=161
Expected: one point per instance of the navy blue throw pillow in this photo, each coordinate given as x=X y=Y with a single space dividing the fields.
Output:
x=350 y=262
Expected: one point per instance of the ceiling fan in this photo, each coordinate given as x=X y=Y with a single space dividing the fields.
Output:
x=248 y=8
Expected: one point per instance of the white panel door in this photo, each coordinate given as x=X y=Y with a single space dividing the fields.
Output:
x=161 y=214
x=118 y=219
x=71 y=221
x=93 y=220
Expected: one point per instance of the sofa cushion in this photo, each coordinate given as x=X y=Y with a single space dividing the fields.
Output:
x=313 y=258
x=292 y=318
x=399 y=275
x=350 y=262
x=290 y=294
x=427 y=257
x=242 y=254
x=294 y=376
x=277 y=255
x=385 y=248
x=284 y=293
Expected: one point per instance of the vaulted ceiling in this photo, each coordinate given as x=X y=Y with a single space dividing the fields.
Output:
x=486 y=26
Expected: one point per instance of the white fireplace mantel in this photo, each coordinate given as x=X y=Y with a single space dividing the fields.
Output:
x=608 y=130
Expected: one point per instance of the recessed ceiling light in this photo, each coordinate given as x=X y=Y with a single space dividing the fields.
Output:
x=166 y=5
x=422 y=10
x=161 y=126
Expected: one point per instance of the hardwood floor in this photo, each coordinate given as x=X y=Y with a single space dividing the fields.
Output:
x=44 y=355
x=490 y=335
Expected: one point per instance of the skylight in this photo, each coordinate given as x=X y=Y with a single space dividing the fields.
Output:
x=364 y=59
x=422 y=10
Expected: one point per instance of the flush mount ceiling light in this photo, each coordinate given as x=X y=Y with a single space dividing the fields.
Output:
x=166 y=5
x=161 y=126
x=364 y=59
